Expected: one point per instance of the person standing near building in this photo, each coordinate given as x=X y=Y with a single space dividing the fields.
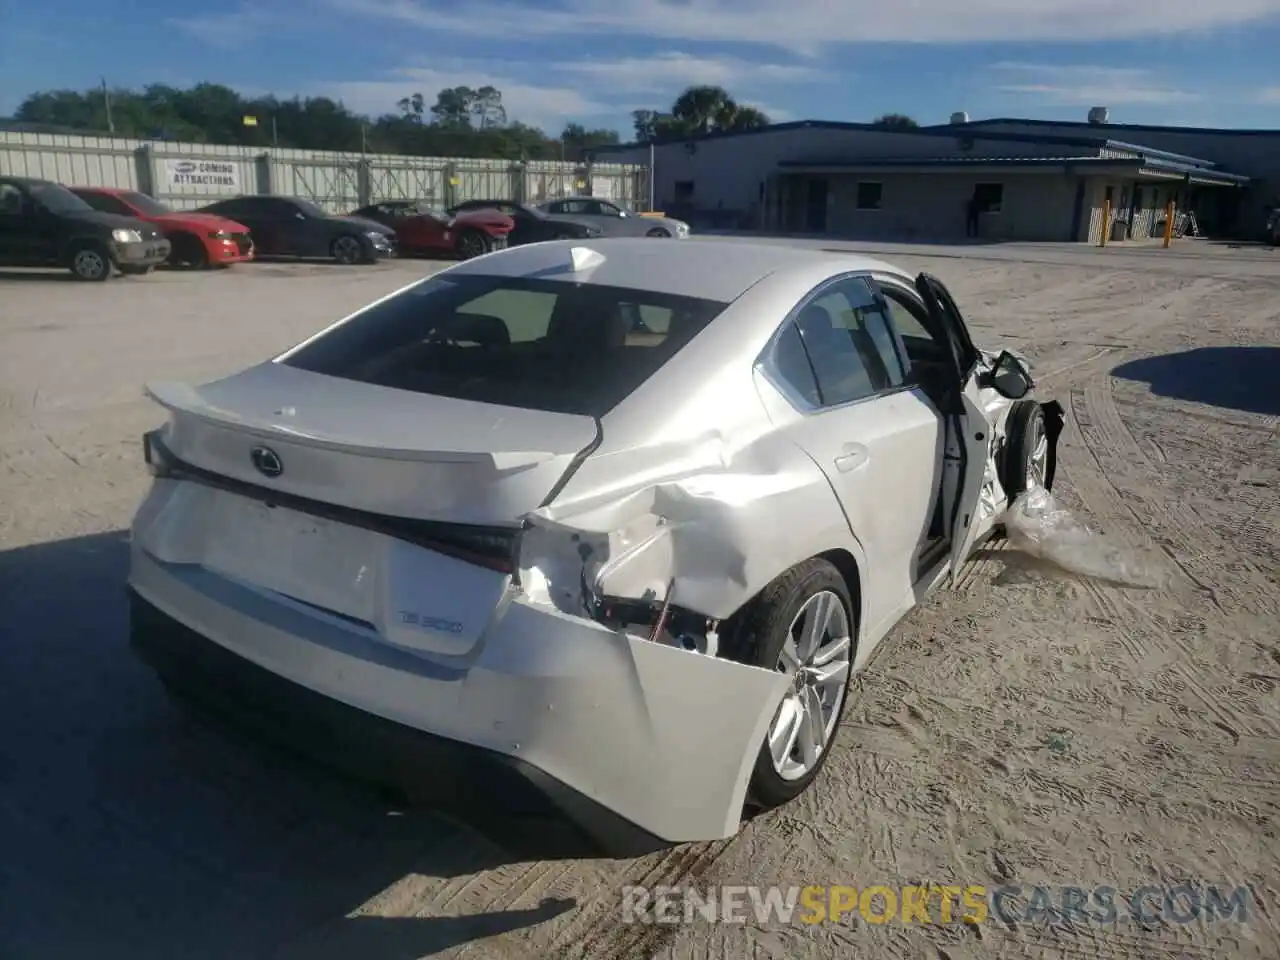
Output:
x=972 y=210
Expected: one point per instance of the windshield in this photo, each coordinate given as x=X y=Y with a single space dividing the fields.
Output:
x=309 y=208
x=58 y=199
x=551 y=345
x=428 y=210
x=148 y=206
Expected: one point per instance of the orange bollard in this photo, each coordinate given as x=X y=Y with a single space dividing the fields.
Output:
x=1106 y=222
x=1169 y=210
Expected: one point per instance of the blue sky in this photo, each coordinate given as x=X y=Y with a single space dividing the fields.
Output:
x=1195 y=62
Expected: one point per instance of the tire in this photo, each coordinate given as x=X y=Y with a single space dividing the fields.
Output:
x=1026 y=453
x=90 y=262
x=136 y=271
x=758 y=638
x=347 y=250
x=188 y=251
x=471 y=243
x=658 y=232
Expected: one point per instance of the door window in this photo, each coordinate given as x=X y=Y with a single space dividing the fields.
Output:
x=12 y=201
x=847 y=348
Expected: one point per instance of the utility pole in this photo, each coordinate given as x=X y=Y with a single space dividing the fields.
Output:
x=652 y=208
x=106 y=100
x=275 y=137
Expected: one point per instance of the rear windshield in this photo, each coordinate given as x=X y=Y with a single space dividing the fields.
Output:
x=538 y=344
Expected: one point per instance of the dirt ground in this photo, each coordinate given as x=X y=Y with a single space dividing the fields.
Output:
x=1022 y=729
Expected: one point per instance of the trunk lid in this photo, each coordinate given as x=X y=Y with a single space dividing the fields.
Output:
x=394 y=511
x=372 y=448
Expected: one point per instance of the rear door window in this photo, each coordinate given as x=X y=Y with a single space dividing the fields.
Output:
x=539 y=344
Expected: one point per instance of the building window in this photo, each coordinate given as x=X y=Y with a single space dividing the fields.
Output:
x=870 y=195
x=990 y=197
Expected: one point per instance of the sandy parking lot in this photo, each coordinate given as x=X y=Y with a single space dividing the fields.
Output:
x=1022 y=729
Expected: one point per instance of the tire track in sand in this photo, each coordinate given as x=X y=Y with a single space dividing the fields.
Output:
x=1131 y=624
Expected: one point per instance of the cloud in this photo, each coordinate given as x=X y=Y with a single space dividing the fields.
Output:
x=1084 y=85
x=806 y=26
x=586 y=91
x=673 y=72
x=225 y=30
x=547 y=106
x=1269 y=95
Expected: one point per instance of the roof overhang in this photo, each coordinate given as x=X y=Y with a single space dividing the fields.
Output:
x=1144 y=167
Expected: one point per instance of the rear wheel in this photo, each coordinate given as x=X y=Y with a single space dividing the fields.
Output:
x=188 y=251
x=346 y=249
x=658 y=232
x=801 y=625
x=90 y=262
x=472 y=243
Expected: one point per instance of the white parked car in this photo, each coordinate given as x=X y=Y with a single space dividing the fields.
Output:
x=616 y=219
x=622 y=516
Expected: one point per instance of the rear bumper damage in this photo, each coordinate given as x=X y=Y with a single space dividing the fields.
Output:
x=638 y=743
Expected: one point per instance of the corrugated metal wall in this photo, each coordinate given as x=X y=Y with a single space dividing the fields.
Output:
x=190 y=174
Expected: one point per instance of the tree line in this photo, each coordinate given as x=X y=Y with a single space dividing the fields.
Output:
x=461 y=122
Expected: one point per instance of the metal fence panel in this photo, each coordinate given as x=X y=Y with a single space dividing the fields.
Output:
x=333 y=185
x=401 y=179
x=75 y=161
x=192 y=174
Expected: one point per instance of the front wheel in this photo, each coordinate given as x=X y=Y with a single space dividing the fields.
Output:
x=1026 y=456
x=658 y=232
x=346 y=250
x=90 y=262
x=801 y=625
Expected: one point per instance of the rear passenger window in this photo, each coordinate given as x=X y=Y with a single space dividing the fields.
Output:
x=525 y=313
x=849 y=346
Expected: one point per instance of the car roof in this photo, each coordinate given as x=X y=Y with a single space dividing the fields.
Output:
x=29 y=181
x=712 y=268
x=113 y=191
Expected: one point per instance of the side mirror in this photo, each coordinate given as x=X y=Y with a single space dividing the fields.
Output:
x=1010 y=378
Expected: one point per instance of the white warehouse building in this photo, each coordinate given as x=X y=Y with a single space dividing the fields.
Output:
x=1021 y=179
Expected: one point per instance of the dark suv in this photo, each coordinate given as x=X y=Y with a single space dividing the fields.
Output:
x=44 y=224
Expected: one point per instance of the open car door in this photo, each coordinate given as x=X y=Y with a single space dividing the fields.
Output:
x=973 y=441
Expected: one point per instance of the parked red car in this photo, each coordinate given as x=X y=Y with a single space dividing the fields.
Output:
x=198 y=240
x=423 y=228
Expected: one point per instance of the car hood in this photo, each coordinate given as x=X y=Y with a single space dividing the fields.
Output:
x=360 y=223
x=115 y=221
x=199 y=221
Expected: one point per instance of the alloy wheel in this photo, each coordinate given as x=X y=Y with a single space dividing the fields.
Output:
x=817 y=656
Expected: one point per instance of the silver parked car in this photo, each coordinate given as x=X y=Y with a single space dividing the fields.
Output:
x=622 y=517
x=616 y=219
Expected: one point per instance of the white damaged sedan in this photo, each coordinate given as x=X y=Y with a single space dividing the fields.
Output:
x=618 y=518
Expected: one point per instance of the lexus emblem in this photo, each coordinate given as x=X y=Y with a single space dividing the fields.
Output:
x=266 y=461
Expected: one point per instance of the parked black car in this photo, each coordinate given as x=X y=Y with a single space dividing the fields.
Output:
x=43 y=224
x=531 y=224
x=294 y=227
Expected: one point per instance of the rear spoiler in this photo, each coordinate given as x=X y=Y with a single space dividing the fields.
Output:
x=186 y=400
